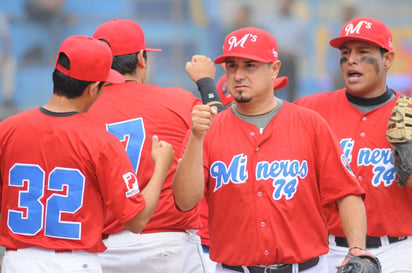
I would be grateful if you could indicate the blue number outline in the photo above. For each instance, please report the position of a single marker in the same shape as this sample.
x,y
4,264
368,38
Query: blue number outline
x,y
133,132
38,216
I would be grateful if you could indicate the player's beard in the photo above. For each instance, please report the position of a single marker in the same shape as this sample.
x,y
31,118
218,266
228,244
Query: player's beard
x,y
239,98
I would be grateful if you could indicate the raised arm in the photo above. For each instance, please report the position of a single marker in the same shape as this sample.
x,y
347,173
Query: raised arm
x,y
202,71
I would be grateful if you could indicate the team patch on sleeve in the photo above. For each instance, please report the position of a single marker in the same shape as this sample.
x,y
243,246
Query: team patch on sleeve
x,y
345,163
132,185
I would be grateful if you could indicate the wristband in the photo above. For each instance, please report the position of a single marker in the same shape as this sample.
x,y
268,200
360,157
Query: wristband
x,y
207,90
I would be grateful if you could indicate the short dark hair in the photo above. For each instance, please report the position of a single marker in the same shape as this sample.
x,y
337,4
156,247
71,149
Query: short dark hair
x,y
383,50
125,64
66,86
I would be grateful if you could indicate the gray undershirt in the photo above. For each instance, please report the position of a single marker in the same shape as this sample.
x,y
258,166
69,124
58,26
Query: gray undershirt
x,y
260,121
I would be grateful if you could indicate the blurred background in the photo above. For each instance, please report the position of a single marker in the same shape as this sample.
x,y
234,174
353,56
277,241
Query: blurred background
x,y
31,32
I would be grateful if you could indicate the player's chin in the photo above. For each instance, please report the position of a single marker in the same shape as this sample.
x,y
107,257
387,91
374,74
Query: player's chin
x,y
356,89
243,99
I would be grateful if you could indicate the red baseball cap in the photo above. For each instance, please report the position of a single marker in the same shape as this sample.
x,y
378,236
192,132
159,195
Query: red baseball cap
x,y
123,36
90,60
250,43
226,97
364,29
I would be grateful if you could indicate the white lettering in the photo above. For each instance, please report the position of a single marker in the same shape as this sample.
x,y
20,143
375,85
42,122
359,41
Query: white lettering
x,y
350,29
233,42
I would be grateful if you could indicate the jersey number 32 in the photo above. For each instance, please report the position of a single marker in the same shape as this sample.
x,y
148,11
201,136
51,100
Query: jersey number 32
x,y
48,214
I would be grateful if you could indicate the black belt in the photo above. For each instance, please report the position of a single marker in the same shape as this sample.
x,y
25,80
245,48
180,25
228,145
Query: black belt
x,y
371,242
284,268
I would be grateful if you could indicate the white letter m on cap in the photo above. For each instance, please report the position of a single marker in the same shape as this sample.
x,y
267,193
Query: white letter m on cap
x,y
350,29
234,43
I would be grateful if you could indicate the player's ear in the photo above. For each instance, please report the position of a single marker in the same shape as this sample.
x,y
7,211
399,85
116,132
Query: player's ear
x,y
91,94
388,58
141,61
93,89
275,67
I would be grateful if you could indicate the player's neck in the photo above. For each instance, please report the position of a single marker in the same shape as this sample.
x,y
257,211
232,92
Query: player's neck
x,y
381,97
255,108
138,76
60,104
130,77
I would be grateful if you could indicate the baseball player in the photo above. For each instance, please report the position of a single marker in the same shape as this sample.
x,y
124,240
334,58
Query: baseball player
x,y
359,114
226,99
134,111
60,172
266,167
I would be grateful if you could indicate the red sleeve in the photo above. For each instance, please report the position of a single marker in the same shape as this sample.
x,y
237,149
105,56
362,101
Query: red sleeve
x,y
329,149
118,182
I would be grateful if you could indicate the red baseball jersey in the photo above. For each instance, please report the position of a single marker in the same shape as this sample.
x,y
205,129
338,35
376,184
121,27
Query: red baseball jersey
x,y
134,112
265,190
363,139
204,228
58,175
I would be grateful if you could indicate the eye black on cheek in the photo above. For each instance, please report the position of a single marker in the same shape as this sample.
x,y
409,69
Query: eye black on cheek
x,y
372,61
343,60
369,60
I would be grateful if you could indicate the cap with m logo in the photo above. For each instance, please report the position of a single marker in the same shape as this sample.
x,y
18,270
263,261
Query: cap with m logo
x,y
250,43
364,29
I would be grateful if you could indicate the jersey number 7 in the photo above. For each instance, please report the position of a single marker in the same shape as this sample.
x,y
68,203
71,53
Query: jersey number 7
x,y
131,133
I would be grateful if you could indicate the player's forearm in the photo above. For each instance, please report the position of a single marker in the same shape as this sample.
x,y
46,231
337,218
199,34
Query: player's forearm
x,y
353,219
151,195
188,183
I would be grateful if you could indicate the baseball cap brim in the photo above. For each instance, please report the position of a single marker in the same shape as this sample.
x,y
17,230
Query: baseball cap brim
x,y
115,77
339,41
280,83
222,59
